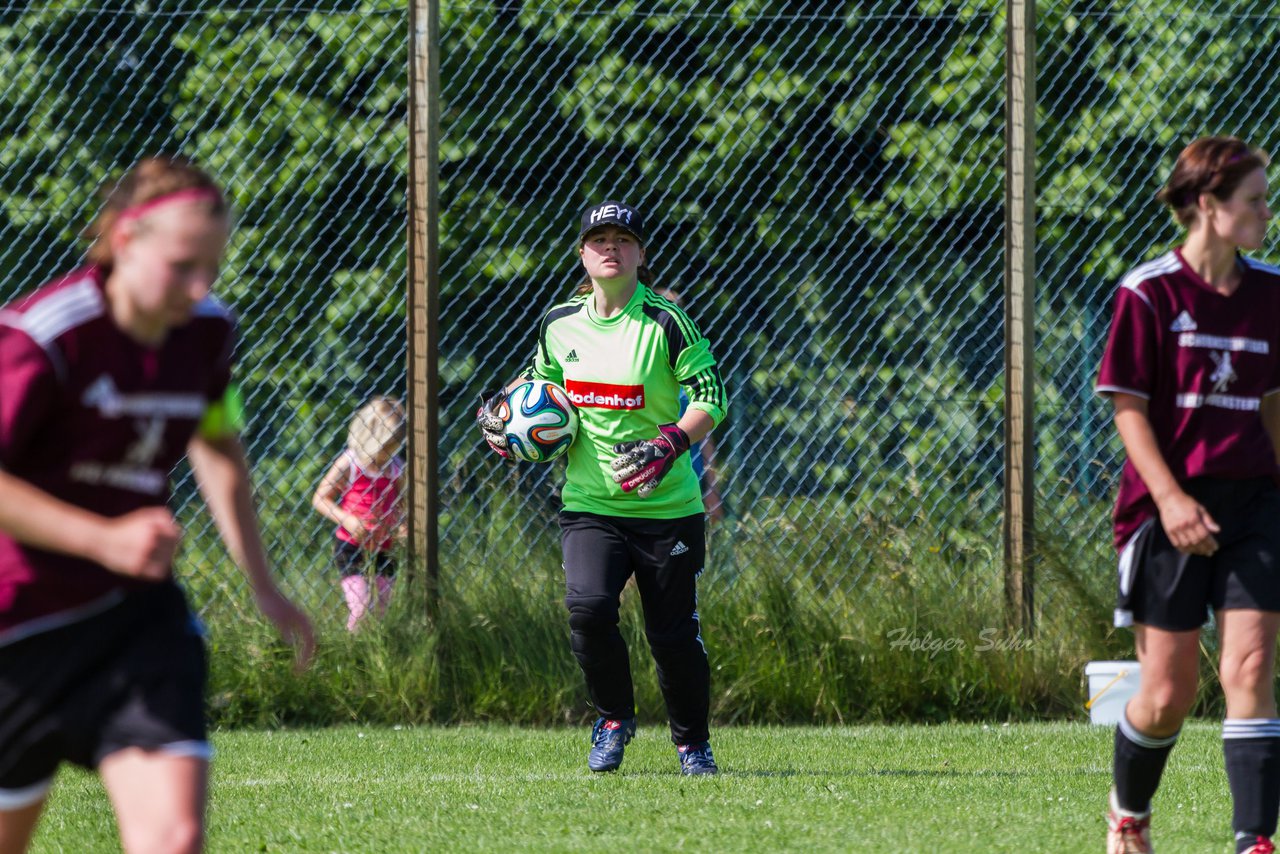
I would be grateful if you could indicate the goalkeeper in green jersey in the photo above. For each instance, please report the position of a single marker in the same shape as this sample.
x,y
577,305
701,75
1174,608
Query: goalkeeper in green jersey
x,y
632,503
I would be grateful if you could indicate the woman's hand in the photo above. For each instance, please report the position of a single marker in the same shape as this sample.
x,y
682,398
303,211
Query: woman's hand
x,y
141,544
292,624
1188,524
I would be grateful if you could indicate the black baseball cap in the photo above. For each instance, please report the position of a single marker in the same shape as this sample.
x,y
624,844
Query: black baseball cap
x,y
621,214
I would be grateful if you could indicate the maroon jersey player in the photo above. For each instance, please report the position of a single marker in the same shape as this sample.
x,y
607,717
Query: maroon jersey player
x,y
1192,366
108,376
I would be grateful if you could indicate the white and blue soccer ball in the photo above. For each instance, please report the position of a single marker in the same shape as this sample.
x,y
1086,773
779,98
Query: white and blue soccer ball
x,y
541,421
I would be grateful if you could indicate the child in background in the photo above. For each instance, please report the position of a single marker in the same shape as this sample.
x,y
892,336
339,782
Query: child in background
x,y
361,493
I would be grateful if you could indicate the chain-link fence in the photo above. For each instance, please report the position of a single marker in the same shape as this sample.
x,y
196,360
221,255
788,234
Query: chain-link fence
x,y
822,186
823,183
300,112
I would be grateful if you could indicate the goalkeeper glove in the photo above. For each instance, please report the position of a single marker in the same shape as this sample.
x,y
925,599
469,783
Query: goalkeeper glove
x,y
491,422
642,465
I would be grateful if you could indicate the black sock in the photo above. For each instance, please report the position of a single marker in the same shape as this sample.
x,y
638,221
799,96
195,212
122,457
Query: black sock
x,y
1139,762
1251,747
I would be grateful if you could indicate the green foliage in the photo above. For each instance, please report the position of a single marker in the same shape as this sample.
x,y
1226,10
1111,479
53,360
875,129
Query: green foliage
x,y
299,113
825,184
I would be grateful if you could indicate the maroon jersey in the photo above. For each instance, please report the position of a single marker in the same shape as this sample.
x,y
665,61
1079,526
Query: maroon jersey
x,y
1203,362
98,420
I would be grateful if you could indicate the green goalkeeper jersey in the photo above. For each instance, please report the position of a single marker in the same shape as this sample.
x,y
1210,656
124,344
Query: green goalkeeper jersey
x,y
624,373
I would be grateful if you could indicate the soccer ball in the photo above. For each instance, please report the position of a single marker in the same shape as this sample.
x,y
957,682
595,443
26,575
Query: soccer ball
x,y
541,421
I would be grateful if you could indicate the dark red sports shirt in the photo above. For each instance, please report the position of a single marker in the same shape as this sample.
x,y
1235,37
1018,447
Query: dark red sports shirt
x,y
96,419
1203,362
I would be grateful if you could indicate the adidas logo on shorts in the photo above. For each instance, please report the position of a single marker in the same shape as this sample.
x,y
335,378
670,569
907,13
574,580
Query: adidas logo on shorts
x,y
679,548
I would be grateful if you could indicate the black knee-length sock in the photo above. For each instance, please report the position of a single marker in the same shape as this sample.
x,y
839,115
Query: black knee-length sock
x,y
1251,747
1139,762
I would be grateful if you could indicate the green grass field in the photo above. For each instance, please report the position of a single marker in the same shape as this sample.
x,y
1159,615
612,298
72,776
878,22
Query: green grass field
x,y
955,788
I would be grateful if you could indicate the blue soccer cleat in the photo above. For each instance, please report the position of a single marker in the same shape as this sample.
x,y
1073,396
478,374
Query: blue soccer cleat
x,y
696,759
608,739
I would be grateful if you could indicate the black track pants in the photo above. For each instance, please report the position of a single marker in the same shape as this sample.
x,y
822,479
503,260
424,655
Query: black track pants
x,y
666,556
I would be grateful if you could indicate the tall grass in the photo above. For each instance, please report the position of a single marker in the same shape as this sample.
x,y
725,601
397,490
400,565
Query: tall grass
x,y
918,635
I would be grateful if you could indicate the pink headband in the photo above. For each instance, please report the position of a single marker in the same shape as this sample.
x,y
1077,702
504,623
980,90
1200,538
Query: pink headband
x,y
192,194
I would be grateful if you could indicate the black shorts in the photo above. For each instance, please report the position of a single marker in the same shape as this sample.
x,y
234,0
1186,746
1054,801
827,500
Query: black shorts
x,y
602,552
1162,587
354,560
130,676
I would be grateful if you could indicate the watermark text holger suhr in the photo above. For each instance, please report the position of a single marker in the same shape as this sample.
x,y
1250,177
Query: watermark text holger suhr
x,y
988,640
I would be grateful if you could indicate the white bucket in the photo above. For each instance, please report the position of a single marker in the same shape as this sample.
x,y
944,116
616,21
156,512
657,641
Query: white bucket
x,y
1111,684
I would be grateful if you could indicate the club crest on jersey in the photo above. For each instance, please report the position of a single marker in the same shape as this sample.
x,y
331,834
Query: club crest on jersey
x,y
605,395
1223,372
103,396
1183,323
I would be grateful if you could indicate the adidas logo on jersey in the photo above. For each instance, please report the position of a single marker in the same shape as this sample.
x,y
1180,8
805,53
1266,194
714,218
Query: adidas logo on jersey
x,y
572,357
1183,323
679,548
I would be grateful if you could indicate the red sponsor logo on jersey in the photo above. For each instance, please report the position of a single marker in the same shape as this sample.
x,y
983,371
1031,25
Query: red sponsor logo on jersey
x,y
605,395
